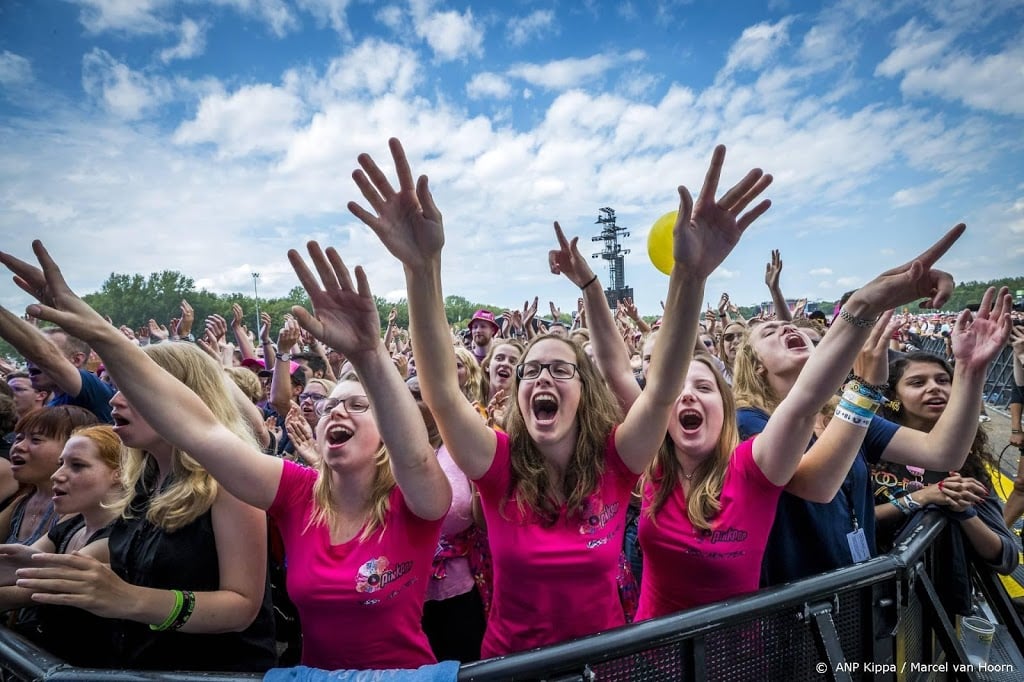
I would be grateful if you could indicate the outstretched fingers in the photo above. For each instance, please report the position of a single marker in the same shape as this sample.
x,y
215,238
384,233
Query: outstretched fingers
x,y
753,214
405,182
302,271
711,178
375,175
339,273
745,191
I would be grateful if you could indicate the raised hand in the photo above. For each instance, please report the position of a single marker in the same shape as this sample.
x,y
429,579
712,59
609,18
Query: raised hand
x,y
707,230
344,316
301,436
237,316
978,338
529,311
773,269
407,222
914,279
723,303
556,314
567,260
872,363
265,327
218,327
157,332
289,335
188,318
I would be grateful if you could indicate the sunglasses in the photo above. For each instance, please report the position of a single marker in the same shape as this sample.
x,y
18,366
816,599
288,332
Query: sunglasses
x,y
730,337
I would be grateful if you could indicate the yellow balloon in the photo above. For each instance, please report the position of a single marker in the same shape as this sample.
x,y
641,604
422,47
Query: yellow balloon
x,y
659,242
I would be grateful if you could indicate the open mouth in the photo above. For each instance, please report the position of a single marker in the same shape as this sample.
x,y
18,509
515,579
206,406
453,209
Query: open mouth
x,y
503,372
794,341
338,435
119,420
59,492
544,407
690,420
17,460
934,402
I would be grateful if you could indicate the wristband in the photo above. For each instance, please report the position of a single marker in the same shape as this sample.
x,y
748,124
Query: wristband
x,y
188,606
851,418
592,280
173,615
912,504
899,504
860,400
859,411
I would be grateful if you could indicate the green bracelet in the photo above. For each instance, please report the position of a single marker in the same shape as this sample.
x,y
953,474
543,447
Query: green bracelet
x,y
179,599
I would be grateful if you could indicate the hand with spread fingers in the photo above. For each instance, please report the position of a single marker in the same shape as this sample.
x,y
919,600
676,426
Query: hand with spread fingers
x,y
978,338
406,221
344,314
707,229
872,363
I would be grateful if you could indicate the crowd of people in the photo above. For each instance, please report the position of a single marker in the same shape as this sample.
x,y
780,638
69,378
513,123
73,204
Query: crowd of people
x,y
358,498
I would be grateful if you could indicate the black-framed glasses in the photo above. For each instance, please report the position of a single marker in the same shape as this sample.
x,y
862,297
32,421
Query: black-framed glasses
x,y
315,397
354,404
559,369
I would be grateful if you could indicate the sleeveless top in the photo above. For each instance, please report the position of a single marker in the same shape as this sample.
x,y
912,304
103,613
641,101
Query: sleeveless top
x,y
186,559
47,523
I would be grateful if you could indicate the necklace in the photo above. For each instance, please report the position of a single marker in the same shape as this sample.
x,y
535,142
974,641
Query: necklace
x,y
688,477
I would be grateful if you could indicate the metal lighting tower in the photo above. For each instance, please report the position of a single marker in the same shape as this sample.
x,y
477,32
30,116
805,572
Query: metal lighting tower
x,y
613,253
256,294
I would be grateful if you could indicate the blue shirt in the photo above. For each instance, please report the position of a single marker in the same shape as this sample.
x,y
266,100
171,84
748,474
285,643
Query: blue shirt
x,y
809,538
95,396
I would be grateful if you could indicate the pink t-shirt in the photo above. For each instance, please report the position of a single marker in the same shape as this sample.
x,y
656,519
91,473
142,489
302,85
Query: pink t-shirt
x,y
684,568
458,578
558,582
360,603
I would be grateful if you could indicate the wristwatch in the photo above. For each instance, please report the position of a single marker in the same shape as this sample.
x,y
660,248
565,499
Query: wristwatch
x,y
283,357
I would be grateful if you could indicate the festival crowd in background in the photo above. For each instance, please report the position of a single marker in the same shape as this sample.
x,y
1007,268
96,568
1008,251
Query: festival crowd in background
x,y
199,497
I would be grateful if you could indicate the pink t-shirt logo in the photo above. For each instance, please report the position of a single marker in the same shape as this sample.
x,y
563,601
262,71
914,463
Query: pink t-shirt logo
x,y
375,575
596,515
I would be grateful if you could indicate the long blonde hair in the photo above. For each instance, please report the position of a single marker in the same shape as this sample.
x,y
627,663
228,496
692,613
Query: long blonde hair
x,y
190,491
485,364
704,499
596,416
474,388
750,384
324,512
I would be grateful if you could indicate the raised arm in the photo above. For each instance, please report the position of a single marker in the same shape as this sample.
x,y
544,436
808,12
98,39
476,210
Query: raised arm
x,y
238,329
823,468
772,272
704,234
242,469
408,223
345,316
977,339
40,351
609,350
780,446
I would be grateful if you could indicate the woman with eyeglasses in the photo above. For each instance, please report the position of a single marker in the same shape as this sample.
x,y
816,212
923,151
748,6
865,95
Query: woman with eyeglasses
x,y
728,344
359,531
555,487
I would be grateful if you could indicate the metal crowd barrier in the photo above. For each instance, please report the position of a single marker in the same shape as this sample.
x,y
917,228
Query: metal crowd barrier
x,y
998,381
880,619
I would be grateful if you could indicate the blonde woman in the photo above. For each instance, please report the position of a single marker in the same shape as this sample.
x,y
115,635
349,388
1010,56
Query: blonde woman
x,y
167,548
554,489
360,530
471,376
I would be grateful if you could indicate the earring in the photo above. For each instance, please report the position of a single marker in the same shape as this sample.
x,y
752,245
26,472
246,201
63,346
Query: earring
x,y
893,405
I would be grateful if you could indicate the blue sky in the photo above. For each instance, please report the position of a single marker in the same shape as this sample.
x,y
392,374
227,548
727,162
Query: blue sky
x,y
211,136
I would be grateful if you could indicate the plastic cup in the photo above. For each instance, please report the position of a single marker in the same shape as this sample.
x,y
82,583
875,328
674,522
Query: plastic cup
x,y
976,634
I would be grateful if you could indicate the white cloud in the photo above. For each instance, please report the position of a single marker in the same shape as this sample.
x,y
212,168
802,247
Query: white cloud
x,y
391,16
373,68
488,85
931,62
276,14
534,25
192,42
567,73
330,13
820,272
128,16
125,93
451,35
14,69
757,45
256,118
851,281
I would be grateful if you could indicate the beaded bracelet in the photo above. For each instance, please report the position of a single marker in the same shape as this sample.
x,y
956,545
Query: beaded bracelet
x,y
173,615
857,385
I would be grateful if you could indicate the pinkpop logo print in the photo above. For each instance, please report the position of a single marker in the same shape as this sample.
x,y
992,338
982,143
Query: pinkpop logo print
x,y
596,515
377,573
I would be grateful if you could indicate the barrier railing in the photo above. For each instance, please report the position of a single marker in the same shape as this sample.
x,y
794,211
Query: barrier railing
x,y
880,619
998,380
